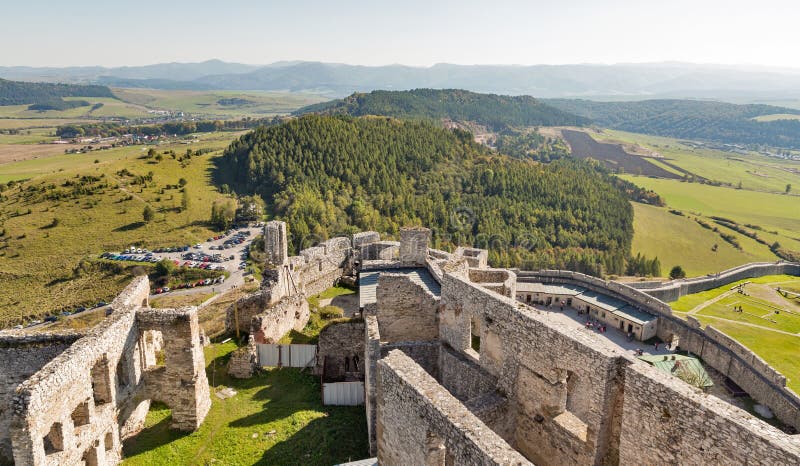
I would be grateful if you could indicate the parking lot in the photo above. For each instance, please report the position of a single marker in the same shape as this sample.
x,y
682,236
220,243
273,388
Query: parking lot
x,y
211,254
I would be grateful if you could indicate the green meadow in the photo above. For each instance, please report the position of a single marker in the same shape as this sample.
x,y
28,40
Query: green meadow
x,y
256,104
768,324
679,240
276,417
44,240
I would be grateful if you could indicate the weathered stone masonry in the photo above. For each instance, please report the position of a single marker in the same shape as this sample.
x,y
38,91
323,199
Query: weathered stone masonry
x,y
95,390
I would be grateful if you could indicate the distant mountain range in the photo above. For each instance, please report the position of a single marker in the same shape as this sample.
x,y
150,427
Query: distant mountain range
x,y
609,82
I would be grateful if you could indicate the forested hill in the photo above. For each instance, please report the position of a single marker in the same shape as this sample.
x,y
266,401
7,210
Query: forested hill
x,y
692,119
20,93
495,111
328,175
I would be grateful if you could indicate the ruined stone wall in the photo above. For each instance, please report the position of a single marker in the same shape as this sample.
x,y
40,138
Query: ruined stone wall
x,y
84,401
420,423
669,422
372,352
20,357
673,290
275,322
563,387
463,376
414,246
243,310
337,341
749,371
406,310
424,353
275,242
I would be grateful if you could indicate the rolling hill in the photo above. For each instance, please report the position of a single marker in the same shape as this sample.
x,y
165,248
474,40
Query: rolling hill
x,y
331,175
494,111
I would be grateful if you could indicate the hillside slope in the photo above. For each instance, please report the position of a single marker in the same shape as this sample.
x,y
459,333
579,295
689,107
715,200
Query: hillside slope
x,y
495,111
19,93
331,175
691,119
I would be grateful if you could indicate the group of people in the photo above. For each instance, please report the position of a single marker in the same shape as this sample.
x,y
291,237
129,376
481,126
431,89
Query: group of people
x,y
593,325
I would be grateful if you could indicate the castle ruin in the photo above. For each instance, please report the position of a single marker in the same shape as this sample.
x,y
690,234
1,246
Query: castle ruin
x,y
72,398
464,364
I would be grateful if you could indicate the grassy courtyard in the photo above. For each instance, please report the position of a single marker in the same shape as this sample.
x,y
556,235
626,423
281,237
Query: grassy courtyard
x,y
276,418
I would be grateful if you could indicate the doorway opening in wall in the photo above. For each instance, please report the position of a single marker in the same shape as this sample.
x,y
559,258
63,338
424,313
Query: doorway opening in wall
x,y
475,334
630,328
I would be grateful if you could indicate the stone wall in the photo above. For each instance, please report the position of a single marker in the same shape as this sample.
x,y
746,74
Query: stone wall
x,y
561,407
93,393
291,313
337,341
406,310
673,290
668,422
753,374
414,246
420,423
21,356
463,376
275,242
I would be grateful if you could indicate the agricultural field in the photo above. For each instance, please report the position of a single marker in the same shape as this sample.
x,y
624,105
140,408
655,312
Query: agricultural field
x,y
760,317
219,104
110,108
77,206
276,417
680,240
754,171
584,146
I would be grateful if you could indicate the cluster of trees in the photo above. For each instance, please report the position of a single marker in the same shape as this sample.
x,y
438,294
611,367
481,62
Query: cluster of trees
x,y
641,265
531,144
58,104
20,93
495,111
692,119
336,175
169,128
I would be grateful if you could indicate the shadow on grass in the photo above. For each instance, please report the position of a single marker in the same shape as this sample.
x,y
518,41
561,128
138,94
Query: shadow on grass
x,y
130,226
154,436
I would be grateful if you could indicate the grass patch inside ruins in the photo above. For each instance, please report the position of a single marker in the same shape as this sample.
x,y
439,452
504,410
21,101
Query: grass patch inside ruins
x,y
176,301
321,316
276,418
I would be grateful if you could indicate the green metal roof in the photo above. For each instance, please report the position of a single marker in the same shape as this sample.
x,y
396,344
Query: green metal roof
x,y
688,369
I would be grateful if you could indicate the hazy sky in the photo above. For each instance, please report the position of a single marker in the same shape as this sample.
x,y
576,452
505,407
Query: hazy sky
x,y
413,32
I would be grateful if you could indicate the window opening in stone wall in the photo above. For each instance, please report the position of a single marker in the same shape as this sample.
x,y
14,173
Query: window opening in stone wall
x,y
108,441
101,382
54,440
572,388
475,334
80,415
90,457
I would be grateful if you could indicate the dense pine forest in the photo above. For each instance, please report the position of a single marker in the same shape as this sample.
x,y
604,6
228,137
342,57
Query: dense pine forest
x,y
691,119
335,175
19,93
494,111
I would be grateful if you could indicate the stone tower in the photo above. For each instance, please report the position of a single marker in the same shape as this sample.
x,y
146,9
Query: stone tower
x,y
414,245
275,243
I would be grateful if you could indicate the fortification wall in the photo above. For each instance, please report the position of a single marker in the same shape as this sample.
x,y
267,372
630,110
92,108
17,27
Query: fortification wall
x,y
749,371
463,376
419,422
20,357
424,353
275,322
96,390
675,289
406,311
372,352
669,422
560,407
